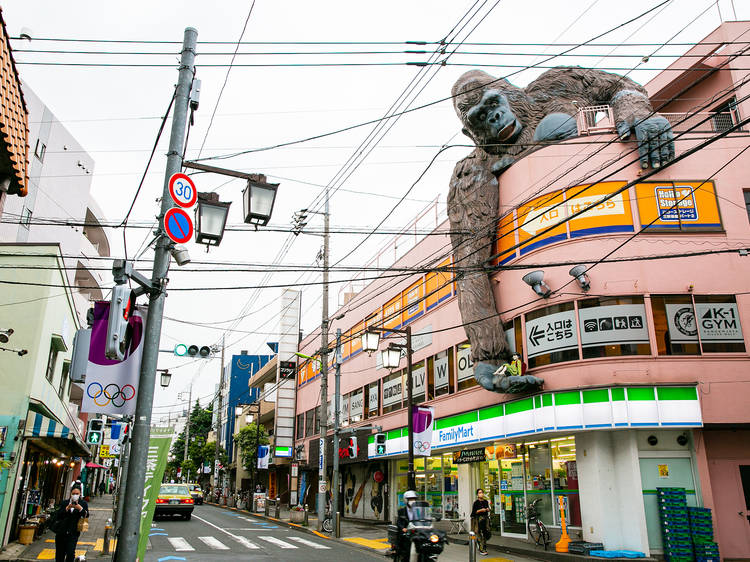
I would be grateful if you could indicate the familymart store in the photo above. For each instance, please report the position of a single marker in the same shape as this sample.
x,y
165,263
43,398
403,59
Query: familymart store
x,y
549,445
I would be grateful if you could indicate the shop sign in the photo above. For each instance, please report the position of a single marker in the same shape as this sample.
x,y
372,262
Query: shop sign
x,y
551,333
501,451
469,455
373,393
418,377
681,323
457,434
392,391
608,325
356,406
465,364
441,371
422,338
718,322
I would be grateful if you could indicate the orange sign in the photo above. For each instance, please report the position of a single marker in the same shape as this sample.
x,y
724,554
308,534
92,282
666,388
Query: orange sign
x,y
678,205
542,216
392,313
438,286
613,215
506,238
412,302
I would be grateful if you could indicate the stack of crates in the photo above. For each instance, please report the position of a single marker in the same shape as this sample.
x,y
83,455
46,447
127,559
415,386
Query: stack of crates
x,y
702,534
675,525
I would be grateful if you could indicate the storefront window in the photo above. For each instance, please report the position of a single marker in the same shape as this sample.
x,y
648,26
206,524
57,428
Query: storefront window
x,y
674,324
613,326
551,335
450,487
465,370
539,477
392,392
719,324
441,373
565,473
511,505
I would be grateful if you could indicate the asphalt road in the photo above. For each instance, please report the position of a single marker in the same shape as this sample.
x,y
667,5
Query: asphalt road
x,y
220,534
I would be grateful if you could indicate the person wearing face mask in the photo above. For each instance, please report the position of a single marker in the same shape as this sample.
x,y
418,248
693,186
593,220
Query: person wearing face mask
x,y
70,512
403,517
480,513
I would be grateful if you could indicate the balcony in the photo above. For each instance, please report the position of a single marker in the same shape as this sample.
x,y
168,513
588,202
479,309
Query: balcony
x,y
95,234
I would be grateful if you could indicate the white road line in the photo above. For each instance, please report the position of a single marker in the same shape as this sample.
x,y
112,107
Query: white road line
x,y
242,540
214,543
277,542
180,544
308,543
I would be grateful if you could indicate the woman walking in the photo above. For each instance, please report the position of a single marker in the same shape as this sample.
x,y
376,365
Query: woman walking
x,y
67,525
480,517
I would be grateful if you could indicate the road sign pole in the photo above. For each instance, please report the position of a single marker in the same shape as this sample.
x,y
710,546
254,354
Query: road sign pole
x,y
336,409
127,545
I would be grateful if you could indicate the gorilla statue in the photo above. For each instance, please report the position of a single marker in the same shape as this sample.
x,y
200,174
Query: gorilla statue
x,y
507,123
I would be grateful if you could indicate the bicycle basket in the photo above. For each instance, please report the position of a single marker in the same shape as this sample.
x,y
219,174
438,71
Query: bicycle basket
x,y
532,512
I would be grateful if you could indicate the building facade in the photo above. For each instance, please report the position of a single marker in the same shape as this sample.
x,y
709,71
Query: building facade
x,y
645,369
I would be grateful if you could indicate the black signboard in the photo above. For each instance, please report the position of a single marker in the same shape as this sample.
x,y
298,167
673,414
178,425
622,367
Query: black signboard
x,y
287,368
342,452
469,455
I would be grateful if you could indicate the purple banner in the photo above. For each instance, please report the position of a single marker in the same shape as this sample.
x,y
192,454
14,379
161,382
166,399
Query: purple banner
x,y
422,417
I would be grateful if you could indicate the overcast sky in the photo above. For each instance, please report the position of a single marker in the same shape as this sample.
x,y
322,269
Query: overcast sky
x,y
114,112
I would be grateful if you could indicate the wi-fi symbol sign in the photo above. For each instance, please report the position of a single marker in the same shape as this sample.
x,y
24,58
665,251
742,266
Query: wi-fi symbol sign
x,y
591,326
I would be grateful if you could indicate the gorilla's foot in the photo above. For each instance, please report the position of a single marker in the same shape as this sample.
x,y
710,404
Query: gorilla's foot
x,y
484,373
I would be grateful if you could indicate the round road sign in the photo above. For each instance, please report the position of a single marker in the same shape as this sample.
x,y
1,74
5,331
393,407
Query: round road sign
x,y
182,189
178,225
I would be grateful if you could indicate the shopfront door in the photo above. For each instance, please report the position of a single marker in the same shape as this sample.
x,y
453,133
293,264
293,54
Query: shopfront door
x,y
664,472
512,505
731,493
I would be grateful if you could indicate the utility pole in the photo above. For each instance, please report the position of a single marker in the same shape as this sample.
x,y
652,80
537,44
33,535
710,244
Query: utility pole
x,y
127,546
324,374
187,424
336,413
218,415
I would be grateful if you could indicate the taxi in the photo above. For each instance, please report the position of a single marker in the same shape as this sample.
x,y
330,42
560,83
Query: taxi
x,y
174,499
196,492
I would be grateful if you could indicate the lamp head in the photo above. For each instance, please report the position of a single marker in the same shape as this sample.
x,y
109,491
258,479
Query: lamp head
x,y
579,273
535,280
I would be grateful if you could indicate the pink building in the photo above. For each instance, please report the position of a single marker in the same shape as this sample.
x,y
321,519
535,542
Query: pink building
x,y
646,369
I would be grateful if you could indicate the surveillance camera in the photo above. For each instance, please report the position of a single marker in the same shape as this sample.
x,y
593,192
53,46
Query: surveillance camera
x,y
180,254
682,440
652,440
23,352
195,95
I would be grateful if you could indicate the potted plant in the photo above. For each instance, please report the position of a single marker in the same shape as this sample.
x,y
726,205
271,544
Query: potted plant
x,y
297,514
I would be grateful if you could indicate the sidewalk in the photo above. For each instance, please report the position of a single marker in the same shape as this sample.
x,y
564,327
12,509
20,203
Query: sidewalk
x,y
90,544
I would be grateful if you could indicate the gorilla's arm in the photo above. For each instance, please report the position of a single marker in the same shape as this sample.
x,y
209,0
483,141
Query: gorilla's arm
x,y
566,89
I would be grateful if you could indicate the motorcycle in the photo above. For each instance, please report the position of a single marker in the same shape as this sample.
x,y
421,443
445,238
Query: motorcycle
x,y
428,542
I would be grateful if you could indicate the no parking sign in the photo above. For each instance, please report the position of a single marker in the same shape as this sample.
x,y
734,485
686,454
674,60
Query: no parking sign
x,y
178,225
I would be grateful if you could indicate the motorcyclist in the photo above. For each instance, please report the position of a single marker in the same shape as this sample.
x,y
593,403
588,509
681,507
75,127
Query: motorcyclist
x,y
403,517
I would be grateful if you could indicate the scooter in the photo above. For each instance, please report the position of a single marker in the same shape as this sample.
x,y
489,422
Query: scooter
x,y
428,542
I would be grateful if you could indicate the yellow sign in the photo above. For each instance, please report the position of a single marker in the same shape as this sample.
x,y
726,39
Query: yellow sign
x,y
506,238
392,313
543,216
104,452
678,205
438,286
613,215
412,302
663,470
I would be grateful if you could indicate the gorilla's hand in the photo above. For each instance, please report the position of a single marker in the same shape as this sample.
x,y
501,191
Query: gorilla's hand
x,y
501,165
654,137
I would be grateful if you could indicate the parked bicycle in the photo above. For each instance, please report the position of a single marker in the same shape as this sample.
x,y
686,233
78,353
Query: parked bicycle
x,y
328,519
537,529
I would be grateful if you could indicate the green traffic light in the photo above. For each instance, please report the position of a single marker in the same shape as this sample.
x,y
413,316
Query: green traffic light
x,y
180,349
381,450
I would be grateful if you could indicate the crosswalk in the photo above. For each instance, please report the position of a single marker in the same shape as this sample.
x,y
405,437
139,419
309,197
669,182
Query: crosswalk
x,y
191,544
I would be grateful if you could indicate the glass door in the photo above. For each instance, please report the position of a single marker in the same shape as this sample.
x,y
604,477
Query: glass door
x,y
512,506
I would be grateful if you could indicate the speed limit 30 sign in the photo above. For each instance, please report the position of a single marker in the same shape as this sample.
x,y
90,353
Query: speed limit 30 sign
x,y
182,189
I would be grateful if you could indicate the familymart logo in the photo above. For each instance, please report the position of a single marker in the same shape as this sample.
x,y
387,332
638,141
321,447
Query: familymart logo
x,y
458,433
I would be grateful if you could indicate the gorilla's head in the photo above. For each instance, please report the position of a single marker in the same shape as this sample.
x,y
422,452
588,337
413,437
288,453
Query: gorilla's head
x,y
493,111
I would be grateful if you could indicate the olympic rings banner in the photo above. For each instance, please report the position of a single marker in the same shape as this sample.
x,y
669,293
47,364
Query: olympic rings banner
x,y
422,417
111,386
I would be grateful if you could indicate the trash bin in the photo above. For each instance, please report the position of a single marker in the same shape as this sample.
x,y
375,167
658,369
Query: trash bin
x,y
26,533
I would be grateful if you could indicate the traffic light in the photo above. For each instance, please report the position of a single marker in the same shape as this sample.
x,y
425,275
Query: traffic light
x,y
118,326
352,449
201,352
94,432
380,443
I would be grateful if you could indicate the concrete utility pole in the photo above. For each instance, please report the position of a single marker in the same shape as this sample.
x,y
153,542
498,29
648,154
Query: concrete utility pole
x,y
336,414
187,424
127,545
324,374
218,415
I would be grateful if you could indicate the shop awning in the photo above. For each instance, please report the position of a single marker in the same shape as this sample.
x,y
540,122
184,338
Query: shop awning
x,y
94,465
40,426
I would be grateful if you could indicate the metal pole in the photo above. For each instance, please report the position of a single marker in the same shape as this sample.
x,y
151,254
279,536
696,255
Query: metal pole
x,y
127,546
187,424
218,418
257,444
411,477
323,374
123,482
336,413
472,546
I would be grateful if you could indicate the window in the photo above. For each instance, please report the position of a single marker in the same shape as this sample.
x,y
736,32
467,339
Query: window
x,y
674,324
40,149
441,373
514,335
26,217
393,392
718,322
465,366
300,425
418,382
51,361
316,420
726,116
552,335
309,424
613,326
372,399
63,380
356,406
746,193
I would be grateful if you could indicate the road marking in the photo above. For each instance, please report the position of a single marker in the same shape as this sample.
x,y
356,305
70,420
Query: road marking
x,y
369,543
180,544
246,543
308,543
214,543
49,554
242,540
277,542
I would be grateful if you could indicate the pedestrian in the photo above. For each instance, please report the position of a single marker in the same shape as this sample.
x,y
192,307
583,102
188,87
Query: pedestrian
x,y
480,520
101,488
66,525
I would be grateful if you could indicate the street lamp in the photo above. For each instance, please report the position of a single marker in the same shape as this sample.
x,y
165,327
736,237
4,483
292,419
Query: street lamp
x,y
391,356
210,219
258,199
165,377
370,341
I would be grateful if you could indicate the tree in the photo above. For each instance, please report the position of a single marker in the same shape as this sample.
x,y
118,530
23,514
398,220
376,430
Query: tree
x,y
198,451
248,442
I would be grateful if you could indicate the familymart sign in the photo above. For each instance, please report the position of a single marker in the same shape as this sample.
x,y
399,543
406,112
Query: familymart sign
x,y
575,410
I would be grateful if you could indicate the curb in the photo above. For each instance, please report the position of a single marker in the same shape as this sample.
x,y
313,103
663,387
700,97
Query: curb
x,y
299,528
